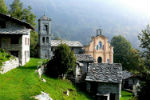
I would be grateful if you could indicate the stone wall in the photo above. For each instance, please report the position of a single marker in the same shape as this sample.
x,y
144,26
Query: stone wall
x,y
9,65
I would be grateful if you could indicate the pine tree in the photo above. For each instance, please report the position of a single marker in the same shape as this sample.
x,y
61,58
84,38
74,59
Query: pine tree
x,y
144,38
3,7
16,9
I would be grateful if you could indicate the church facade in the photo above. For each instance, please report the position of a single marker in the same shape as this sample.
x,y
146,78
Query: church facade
x,y
100,49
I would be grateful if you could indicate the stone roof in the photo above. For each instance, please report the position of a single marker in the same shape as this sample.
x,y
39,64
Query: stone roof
x,y
45,18
126,74
84,58
55,43
7,17
102,72
15,32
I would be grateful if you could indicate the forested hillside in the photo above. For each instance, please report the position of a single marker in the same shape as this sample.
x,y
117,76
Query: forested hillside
x,y
78,19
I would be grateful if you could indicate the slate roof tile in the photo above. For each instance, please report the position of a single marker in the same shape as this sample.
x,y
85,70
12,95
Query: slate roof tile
x,y
16,31
103,72
55,43
84,58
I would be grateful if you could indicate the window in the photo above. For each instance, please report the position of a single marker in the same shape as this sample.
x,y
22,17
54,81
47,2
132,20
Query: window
x,y
45,28
97,47
25,41
14,53
100,44
14,40
43,39
47,39
112,96
2,24
103,47
28,41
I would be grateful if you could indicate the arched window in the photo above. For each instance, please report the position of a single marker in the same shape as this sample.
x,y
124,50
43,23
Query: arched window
x,y
45,28
99,60
47,39
97,47
43,39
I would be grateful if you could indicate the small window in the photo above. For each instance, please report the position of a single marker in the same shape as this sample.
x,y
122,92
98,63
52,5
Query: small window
x,y
14,40
2,24
107,60
14,53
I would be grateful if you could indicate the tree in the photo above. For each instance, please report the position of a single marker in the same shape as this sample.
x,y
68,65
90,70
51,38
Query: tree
x,y
3,7
25,14
63,61
144,38
136,62
144,92
122,49
125,54
16,9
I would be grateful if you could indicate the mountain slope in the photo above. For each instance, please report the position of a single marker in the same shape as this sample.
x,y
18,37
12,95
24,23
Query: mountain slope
x,y
78,20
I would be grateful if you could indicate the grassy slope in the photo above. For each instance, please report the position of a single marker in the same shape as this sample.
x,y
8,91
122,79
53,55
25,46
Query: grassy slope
x,y
126,95
23,82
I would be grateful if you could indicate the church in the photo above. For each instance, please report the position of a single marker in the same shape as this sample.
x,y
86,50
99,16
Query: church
x,y
99,48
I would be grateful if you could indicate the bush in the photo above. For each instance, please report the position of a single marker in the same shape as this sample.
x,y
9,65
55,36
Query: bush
x,y
4,56
63,61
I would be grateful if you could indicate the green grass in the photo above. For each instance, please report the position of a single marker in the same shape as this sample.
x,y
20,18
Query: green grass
x,y
4,56
126,95
22,83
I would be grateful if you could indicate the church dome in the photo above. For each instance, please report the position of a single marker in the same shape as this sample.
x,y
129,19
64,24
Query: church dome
x,y
45,18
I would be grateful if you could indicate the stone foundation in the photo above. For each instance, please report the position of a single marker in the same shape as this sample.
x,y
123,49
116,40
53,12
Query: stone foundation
x,y
9,65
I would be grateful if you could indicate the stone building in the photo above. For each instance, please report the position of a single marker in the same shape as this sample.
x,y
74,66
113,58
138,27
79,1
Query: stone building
x,y
46,45
100,49
75,46
44,31
130,82
15,37
104,81
83,62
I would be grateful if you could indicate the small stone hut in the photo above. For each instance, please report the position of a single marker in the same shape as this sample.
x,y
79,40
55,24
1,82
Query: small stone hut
x,y
104,81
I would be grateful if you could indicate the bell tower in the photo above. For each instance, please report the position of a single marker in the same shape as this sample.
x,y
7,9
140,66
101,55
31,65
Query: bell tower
x,y
44,30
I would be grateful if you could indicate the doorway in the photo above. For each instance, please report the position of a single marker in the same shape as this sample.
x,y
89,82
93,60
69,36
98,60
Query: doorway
x,y
112,96
99,60
102,98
